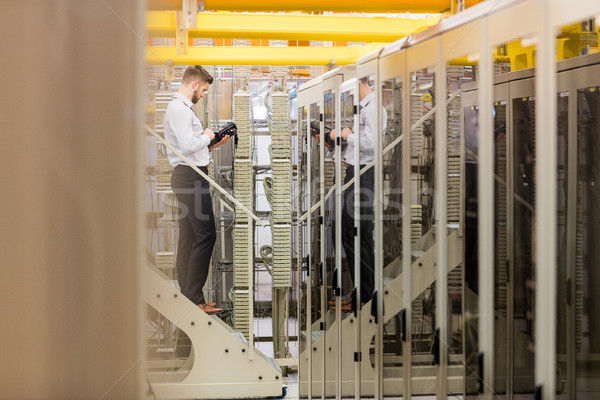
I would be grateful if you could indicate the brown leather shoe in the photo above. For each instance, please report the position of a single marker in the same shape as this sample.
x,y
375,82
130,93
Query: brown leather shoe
x,y
207,308
347,307
344,301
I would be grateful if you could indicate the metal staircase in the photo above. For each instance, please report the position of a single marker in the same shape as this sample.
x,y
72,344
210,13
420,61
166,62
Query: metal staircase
x,y
221,364
423,275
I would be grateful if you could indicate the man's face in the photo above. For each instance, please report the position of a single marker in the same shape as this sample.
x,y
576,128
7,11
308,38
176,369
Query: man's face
x,y
201,87
363,90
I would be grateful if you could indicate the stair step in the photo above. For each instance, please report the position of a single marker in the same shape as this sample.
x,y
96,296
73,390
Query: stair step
x,y
165,350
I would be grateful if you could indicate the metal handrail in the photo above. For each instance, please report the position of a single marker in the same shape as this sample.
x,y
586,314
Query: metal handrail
x,y
210,181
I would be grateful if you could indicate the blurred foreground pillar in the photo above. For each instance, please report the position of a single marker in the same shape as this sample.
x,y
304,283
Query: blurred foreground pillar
x,y
71,199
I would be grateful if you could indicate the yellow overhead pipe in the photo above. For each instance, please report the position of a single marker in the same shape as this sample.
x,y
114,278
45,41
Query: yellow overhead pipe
x,y
380,6
289,26
264,55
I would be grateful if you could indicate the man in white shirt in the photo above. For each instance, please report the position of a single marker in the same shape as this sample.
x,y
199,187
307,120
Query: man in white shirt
x,y
197,232
366,136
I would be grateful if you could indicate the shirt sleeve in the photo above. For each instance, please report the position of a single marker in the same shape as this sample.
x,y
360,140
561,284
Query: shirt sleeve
x,y
188,142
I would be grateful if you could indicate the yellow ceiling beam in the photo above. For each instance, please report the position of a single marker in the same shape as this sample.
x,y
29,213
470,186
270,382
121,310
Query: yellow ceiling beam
x,y
382,6
289,27
264,55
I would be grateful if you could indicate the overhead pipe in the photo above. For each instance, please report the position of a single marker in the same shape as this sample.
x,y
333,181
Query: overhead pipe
x,y
375,6
289,27
297,55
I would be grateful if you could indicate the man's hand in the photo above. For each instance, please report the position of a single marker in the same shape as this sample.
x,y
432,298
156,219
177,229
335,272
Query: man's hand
x,y
224,140
345,133
208,132
332,134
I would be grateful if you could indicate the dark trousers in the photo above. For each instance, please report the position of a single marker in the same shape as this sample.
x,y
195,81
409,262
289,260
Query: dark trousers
x,y
367,254
197,232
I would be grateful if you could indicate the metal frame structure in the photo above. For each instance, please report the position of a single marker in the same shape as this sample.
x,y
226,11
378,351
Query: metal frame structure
x,y
365,330
572,75
307,98
474,33
311,94
246,373
331,81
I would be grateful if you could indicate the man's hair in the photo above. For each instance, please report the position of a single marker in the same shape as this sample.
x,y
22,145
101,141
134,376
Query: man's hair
x,y
364,80
196,72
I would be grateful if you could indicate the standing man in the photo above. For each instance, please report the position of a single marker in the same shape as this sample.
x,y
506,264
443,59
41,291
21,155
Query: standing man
x,y
197,232
366,136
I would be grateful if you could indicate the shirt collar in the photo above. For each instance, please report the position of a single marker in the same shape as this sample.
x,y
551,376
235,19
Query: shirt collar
x,y
185,100
367,99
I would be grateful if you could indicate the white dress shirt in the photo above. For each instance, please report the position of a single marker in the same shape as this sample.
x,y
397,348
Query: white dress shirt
x,y
367,120
183,130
